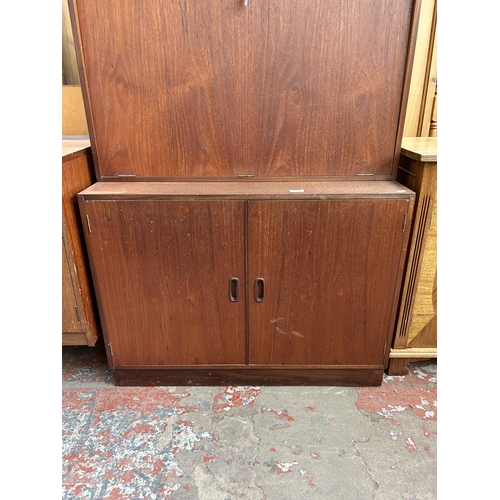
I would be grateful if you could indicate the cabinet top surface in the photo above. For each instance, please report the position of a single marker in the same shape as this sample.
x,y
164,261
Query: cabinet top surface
x,y
70,146
293,189
420,148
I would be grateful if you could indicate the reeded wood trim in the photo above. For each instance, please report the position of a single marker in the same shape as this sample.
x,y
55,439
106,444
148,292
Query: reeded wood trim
x,y
338,376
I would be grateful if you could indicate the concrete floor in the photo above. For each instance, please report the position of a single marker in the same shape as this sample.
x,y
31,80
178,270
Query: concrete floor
x,y
274,443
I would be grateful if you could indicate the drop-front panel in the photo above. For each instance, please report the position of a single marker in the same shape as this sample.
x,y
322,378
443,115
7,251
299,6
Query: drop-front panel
x,y
217,89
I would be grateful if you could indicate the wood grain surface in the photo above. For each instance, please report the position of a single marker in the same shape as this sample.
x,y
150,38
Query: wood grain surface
x,y
78,174
162,271
420,148
230,375
330,270
285,189
216,89
70,320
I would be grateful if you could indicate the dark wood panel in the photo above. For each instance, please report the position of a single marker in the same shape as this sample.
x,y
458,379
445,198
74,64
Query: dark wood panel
x,y
330,271
162,272
215,89
341,376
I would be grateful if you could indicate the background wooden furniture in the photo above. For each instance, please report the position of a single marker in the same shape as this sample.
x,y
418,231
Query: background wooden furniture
x,y
416,328
246,225
80,325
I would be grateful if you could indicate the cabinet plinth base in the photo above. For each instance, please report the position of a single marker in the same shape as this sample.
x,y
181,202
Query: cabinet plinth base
x,y
371,376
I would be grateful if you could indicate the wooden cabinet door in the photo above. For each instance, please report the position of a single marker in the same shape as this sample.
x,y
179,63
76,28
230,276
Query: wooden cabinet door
x,y
329,272
162,272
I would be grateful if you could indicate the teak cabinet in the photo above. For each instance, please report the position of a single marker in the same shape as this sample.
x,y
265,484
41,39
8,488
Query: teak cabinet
x,y
192,277
246,225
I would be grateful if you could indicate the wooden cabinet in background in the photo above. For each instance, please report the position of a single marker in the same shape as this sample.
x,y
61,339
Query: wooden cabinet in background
x,y
416,329
240,282
79,315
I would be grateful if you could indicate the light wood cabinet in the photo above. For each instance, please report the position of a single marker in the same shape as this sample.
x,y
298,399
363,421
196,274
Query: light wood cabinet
x,y
244,283
416,329
80,324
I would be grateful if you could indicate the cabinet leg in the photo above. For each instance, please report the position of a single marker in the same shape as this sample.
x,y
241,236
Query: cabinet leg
x,y
398,366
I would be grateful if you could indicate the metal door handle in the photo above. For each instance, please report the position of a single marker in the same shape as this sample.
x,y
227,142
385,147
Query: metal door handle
x,y
259,289
234,289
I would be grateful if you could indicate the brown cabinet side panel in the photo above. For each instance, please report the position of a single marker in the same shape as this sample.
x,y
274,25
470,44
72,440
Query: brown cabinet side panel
x,y
162,271
78,174
216,89
330,271
70,319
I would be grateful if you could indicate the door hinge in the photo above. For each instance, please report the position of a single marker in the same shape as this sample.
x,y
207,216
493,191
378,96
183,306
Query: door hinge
x,y
404,222
88,223
110,348
385,348
78,314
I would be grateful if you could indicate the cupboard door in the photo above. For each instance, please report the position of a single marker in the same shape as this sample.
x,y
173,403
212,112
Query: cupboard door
x,y
328,280
162,271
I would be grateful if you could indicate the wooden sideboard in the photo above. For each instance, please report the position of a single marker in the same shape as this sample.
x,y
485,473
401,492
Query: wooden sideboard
x,y
241,282
80,325
416,328
247,225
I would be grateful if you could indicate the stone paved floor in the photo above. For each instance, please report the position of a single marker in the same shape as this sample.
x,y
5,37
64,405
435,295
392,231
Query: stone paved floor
x,y
274,443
